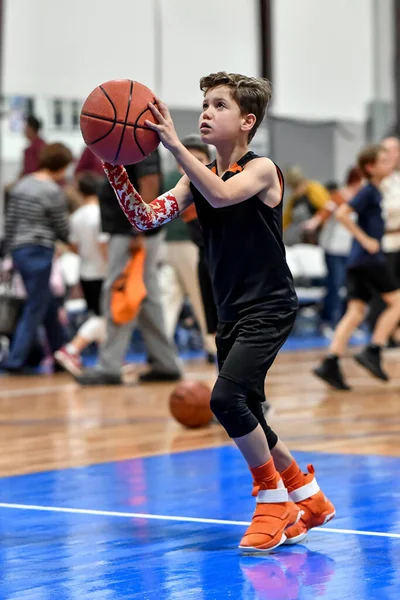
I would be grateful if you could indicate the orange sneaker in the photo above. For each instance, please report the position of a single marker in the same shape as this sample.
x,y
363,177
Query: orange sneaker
x,y
315,506
274,514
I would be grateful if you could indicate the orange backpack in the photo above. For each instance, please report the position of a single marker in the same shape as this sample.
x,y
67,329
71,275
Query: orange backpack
x,y
128,290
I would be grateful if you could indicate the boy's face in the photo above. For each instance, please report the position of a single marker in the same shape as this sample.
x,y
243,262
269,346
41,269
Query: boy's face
x,y
220,119
382,167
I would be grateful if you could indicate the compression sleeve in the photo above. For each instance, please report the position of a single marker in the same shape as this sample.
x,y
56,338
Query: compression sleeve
x,y
141,215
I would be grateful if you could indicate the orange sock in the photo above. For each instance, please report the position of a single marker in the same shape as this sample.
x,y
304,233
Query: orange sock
x,y
266,476
293,477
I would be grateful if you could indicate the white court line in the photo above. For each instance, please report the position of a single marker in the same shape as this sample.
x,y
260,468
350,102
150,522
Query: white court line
x,y
110,513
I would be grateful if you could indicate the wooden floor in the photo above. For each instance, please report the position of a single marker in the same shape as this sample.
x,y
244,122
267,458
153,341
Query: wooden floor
x,y
49,422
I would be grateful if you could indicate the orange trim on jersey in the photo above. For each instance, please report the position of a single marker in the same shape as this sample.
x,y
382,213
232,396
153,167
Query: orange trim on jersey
x,y
233,169
189,214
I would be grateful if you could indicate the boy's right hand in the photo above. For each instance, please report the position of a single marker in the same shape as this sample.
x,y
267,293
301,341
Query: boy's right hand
x,y
371,245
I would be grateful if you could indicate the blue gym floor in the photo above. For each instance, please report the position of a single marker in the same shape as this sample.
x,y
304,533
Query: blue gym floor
x,y
167,527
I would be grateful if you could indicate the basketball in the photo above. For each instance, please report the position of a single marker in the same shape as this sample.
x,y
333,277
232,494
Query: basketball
x,y
112,122
189,404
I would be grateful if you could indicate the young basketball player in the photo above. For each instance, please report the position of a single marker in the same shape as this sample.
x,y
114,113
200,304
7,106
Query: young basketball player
x,y
239,205
367,274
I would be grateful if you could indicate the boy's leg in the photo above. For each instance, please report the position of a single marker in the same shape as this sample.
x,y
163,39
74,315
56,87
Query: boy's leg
x,y
370,357
388,320
245,351
92,330
304,490
302,487
329,369
352,318
274,513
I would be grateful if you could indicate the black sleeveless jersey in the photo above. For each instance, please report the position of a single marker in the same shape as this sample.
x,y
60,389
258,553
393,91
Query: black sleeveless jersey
x,y
245,253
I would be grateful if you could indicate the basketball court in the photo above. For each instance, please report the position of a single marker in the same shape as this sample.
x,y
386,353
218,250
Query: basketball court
x,y
104,495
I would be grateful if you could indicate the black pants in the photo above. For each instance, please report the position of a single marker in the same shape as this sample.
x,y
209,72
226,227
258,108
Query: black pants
x,y
246,349
91,289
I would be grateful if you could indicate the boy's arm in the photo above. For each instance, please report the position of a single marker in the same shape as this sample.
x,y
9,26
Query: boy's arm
x,y
370,244
147,216
255,178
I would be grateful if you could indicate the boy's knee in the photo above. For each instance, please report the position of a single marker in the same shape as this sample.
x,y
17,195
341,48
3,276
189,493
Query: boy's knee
x,y
228,403
226,396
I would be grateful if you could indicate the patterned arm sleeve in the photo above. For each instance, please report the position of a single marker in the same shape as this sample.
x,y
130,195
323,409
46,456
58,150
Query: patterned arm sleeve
x,y
141,215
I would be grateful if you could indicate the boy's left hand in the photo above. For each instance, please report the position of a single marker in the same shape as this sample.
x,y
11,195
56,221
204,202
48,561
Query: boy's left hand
x,y
165,126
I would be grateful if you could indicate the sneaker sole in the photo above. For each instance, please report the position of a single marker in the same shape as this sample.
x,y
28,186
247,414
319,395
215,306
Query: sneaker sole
x,y
299,538
68,364
253,550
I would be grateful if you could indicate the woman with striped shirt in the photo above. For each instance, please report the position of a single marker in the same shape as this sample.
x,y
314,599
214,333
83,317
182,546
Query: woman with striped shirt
x,y
36,217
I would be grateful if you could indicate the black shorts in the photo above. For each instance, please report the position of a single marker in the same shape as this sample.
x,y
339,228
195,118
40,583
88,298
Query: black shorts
x,y
393,262
247,348
91,289
363,283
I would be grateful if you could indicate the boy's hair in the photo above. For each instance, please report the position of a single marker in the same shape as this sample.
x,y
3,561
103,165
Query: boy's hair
x,y
55,157
194,142
88,184
252,94
33,123
368,156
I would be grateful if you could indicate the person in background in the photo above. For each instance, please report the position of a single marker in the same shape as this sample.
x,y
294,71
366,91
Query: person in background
x,y
87,240
31,158
89,163
306,199
36,217
185,255
336,241
123,240
367,274
391,239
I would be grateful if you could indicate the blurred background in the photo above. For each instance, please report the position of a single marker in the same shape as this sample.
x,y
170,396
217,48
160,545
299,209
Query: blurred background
x,y
332,65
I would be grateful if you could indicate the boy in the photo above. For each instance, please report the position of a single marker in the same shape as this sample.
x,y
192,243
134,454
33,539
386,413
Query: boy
x,y
238,202
367,274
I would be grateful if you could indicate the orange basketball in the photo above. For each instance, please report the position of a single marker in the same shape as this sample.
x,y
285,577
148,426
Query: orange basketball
x,y
112,122
189,403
